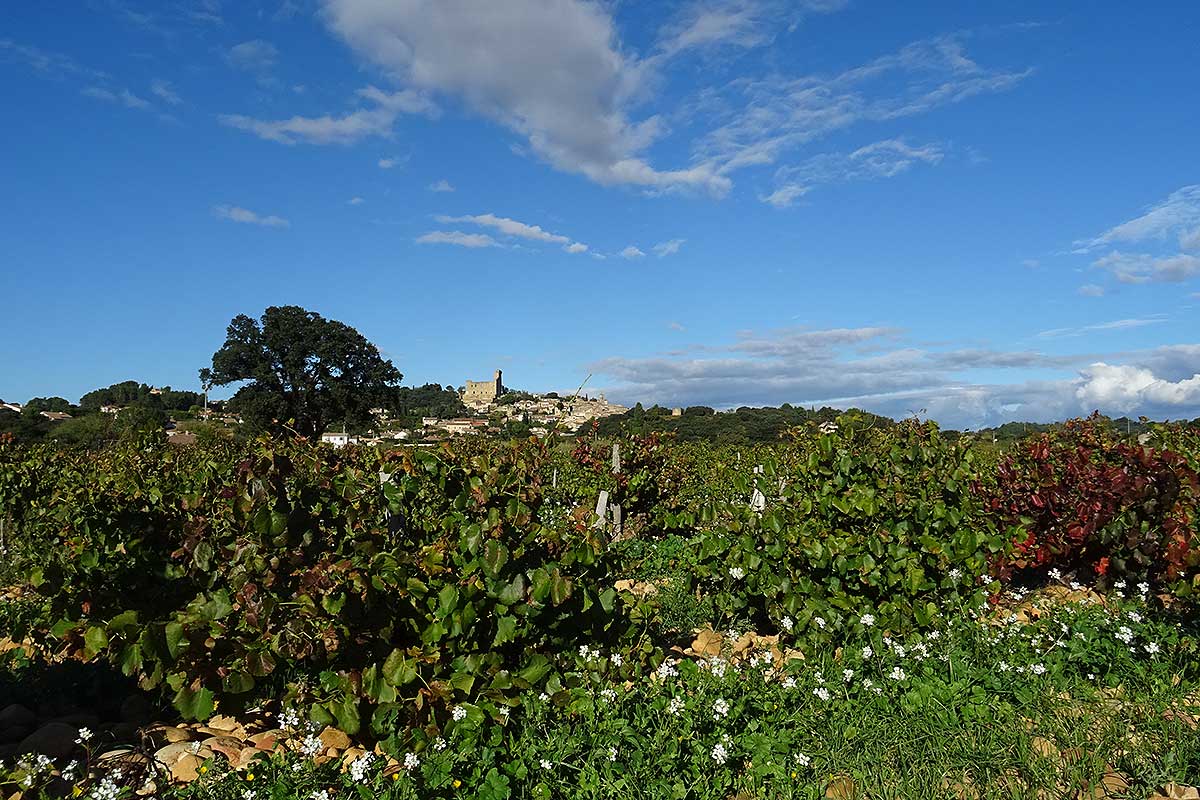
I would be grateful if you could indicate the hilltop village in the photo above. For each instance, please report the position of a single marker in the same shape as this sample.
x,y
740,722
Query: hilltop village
x,y
492,408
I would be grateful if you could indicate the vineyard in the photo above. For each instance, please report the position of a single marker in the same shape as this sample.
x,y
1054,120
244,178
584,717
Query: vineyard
x,y
851,611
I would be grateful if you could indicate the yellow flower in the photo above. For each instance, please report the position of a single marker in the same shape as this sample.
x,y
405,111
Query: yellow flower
x,y
395,776
76,791
457,783
249,776
793,774
203,770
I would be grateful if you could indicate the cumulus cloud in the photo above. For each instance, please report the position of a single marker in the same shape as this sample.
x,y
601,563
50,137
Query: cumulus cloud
x,y
668,248
373,121
883,159
576,247
874,368
553,72
1091,290
459,238
355,201
1127,388
239,214
389,163
441,186
631,252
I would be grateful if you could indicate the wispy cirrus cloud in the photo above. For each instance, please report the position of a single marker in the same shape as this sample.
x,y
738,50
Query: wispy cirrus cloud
x,y
256,55
515,228
1112,325
706,24
122,97
668,248
883,159
631,252
764,118
460,238
376,120
164,91
248,217
1157,246
441,186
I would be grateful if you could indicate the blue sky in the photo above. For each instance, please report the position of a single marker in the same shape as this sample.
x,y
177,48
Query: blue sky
x,y
982,211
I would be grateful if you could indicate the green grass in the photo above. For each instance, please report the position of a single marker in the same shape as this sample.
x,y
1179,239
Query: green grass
x,y
997,708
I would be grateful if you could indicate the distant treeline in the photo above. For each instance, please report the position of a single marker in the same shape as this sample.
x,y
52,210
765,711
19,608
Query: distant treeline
x,y
747,425
743,425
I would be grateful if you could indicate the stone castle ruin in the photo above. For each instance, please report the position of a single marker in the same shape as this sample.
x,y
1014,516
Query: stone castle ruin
x,y
482,393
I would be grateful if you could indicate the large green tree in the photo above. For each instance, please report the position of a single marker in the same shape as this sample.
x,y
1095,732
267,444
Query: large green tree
x,y
305,372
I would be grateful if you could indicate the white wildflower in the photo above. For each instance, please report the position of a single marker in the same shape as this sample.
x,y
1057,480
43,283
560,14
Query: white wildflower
x,y
721,708
897,674
719,753
867,620
458,714
737,573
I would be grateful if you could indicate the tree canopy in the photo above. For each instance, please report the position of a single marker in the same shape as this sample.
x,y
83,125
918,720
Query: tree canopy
x,y
303,371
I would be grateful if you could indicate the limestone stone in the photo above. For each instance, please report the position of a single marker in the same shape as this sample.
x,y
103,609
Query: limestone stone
x,y
186,768
267,740
173,752
168,734
227,746
332,737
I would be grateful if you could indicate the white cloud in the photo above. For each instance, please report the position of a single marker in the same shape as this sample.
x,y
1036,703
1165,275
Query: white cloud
x,y
762,118
238,214
165,92
388,163
883,159
255,55
667,248
1125,389
1113,325
1178,215
737,23
441,186
522,230
49,63
870,367
348,128
631,252
553,72
1091,290
123,97
1144,268
676,326
356,201
459,238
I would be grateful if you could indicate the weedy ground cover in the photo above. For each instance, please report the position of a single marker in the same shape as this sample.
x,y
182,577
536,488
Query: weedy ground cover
x,y
462,612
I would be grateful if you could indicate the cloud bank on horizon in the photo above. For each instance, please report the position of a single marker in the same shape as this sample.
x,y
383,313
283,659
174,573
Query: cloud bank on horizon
x,y
899,209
